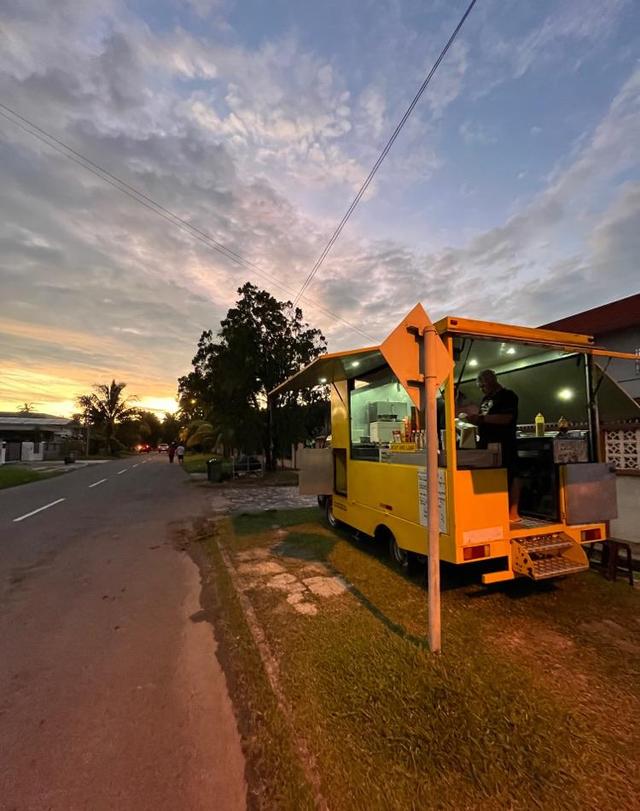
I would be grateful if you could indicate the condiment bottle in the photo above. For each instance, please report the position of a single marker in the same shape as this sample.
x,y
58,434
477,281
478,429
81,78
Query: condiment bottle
x,y
539,424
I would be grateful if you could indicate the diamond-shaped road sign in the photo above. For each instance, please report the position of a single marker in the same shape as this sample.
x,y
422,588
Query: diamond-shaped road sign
x,y
402,349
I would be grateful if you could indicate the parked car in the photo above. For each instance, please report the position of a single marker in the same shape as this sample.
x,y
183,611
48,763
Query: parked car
x,y
163,447
247,466
144,448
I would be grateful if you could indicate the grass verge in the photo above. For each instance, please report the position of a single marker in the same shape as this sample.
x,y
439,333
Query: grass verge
x,y
197,462
514,714
11,475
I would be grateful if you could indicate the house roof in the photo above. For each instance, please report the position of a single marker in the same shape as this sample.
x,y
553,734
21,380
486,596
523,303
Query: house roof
x,y
11,420
616,315
31,415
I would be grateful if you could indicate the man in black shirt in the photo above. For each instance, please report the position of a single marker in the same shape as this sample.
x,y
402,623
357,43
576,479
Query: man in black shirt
x,y
497,421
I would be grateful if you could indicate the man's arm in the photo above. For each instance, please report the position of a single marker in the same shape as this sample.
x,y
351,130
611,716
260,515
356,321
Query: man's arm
x,y
490,419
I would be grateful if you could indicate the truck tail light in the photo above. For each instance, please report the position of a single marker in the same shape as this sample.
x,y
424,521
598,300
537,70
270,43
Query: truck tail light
x,y
476,552
594,534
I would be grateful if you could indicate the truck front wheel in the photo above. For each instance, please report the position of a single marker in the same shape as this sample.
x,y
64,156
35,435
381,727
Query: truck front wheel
x,y
328,511
399,556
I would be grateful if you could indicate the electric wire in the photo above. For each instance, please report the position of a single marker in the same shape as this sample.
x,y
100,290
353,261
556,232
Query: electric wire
x,y
381,157
148,202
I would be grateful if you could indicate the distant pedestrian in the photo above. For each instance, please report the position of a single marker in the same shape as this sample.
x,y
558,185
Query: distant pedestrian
x,y
180,454
172,451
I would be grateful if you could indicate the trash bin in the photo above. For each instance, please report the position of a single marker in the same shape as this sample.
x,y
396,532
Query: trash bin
x,y
70,458
214,470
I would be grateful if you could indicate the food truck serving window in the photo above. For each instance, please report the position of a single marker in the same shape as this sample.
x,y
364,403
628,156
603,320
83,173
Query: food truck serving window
x,y
381,413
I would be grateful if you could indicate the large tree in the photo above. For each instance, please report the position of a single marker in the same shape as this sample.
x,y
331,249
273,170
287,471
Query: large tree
x,y
106,408
261,342
171,425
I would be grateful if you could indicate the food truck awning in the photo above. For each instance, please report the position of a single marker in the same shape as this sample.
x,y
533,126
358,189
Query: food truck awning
x,y
333,367
337,366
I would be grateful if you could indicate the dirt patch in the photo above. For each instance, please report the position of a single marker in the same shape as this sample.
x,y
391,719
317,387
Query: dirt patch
x,y
535,640
612,633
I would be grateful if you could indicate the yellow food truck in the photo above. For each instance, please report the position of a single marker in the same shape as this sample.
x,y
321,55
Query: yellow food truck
x,y
372,476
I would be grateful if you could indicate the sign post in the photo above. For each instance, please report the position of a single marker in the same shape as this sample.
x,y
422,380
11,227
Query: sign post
x,y
401,350
430,337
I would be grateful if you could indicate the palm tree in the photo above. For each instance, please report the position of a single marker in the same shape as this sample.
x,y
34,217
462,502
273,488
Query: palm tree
x,y
105,408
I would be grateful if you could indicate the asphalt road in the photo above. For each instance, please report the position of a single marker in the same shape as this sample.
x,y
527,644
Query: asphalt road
x,y
111,696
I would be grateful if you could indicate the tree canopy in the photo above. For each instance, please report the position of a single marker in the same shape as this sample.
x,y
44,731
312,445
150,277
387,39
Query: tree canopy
x,y
260,343
106,409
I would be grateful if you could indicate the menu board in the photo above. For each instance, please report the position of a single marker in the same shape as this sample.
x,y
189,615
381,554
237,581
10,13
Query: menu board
x,y
442,498
568,451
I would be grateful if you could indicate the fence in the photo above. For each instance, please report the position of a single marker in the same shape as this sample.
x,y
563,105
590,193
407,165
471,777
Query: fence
x,y
622,447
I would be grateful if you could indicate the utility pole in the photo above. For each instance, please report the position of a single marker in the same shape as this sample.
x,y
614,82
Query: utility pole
x,y
88,426
430,337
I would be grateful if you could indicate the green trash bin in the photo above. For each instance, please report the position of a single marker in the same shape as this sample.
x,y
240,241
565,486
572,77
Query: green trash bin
x,y
214,470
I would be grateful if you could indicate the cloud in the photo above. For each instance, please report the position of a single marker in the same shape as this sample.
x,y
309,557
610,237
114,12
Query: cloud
x,y
475,133
519,271
571,20
242,143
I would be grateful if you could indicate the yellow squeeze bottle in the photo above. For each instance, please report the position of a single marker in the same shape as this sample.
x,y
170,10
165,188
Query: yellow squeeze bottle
x,y
539,424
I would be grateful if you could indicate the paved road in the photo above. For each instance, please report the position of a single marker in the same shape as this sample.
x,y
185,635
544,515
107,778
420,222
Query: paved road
x,y
110,695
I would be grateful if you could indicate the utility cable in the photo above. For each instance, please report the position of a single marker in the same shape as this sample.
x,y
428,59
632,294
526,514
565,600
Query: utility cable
x,y
382,156
143,199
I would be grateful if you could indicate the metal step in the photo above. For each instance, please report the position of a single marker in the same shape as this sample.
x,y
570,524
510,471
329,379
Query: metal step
x,y
556,566
543,556
546,544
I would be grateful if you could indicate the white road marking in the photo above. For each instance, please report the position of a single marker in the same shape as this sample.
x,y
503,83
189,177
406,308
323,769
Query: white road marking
x,y
39,510
95,484
124,470
136,464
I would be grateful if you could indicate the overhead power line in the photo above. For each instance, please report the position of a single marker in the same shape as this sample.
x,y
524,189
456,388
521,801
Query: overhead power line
x,y
382,156
152,205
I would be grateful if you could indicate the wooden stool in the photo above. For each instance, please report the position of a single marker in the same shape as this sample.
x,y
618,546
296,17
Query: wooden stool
x,y
610,558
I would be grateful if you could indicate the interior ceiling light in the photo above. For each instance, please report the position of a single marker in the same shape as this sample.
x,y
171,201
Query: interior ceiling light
x,y
355,363
323,380
473,363
565,394
511,350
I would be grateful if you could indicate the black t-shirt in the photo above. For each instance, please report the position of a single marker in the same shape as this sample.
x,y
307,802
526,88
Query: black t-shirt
x,y
503,401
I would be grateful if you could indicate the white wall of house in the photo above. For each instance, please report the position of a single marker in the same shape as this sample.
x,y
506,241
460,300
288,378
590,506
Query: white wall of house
x,y
626,526
30,454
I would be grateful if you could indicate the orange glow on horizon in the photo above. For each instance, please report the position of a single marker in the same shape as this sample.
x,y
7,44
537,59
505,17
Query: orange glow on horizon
x,y
54,391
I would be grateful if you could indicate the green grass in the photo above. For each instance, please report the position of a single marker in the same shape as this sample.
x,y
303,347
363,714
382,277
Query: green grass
x,y
250,523
11,475
197,462
536,684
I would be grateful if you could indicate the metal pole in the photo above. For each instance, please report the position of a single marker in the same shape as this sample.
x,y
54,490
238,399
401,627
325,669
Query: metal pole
x,y
593,416
88,431
270,463
433,510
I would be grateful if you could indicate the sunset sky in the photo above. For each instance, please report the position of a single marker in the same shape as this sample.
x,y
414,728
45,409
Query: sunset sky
x,y
512,194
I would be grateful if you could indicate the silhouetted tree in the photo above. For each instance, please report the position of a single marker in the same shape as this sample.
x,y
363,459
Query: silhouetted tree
x,y
261,342
106,408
